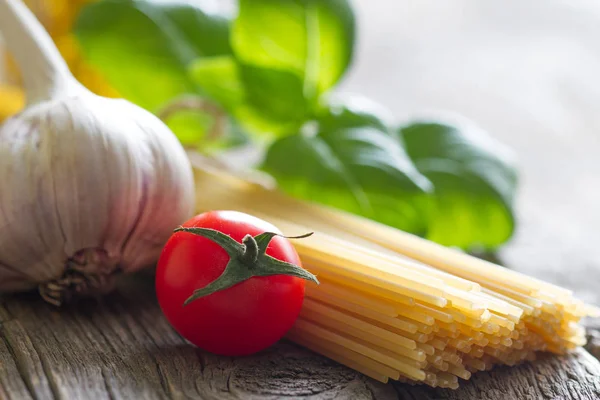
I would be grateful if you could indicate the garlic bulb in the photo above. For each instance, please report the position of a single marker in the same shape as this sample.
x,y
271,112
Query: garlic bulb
x,y
90,187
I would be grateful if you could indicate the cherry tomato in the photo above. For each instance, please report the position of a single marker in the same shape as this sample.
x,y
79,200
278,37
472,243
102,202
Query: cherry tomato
x,y
241,319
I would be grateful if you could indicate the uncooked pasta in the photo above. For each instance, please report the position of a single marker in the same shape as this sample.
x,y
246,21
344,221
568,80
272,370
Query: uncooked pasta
x,y
395,306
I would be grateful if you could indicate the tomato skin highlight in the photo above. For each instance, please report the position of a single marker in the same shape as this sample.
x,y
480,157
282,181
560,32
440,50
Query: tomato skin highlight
x,y
237,321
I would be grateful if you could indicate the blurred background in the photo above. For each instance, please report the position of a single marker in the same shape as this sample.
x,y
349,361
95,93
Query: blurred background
x,y
524,71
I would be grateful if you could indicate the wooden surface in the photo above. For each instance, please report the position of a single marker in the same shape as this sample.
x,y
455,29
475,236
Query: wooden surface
x,y
121,347
525,71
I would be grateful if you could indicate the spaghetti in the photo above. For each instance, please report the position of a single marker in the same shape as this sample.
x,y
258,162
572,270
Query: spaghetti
x,y
395,306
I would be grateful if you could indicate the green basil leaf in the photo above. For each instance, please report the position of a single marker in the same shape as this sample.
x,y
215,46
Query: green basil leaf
x,y
190,127
235,88
144,48
261,83
349,111
291,50
261,127
335,25
474,179
312,38
362,170
203,29
194,130
219,78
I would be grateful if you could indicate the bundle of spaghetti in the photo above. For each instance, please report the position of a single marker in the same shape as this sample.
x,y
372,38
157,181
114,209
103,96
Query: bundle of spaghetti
x,y
395,306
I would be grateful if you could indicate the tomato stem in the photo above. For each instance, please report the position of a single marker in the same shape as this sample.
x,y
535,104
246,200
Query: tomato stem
x,y
246,260
250,255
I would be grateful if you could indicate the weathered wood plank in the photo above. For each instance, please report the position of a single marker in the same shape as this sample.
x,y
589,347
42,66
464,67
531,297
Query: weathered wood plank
x,y
593,337
26,359
121,347
574,376
64,353
11,379
12,383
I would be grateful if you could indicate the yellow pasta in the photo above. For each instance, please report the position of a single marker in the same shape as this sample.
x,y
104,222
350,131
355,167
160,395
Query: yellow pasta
x,y
354,297
344,356
395,306
361,287
434,313
378,281
356,345
334,317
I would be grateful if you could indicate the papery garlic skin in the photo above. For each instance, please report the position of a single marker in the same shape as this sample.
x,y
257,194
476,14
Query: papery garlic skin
x,y
85,177
90,187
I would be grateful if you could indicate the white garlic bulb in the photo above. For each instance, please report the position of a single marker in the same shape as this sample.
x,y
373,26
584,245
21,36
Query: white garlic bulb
x,y
90,187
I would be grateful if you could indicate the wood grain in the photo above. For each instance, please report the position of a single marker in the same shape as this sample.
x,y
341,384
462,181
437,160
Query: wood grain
x,y
121,347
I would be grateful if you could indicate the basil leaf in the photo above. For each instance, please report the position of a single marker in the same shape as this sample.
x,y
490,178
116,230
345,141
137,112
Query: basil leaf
x,y
236,90
262,83
144,48
291,50
312,38
190,126
362,170
219,78
353,111
261,126
203,29
474,179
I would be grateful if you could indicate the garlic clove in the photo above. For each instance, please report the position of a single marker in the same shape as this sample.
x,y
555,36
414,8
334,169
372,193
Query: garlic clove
x,y
28,216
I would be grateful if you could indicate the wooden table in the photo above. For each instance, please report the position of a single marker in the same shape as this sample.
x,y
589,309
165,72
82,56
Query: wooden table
x,y
121,347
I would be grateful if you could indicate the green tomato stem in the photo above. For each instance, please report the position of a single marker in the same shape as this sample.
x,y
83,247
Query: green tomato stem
x,y
246,260
251,251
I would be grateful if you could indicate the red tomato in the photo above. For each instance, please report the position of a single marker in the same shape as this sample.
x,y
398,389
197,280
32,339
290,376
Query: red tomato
x,y
241,319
